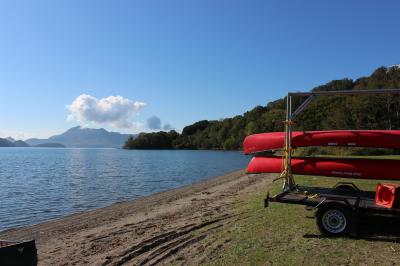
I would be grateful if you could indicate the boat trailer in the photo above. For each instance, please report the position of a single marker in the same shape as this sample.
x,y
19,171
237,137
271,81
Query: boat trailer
x,y
338,209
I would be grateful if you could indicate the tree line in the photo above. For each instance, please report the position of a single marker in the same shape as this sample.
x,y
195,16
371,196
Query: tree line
x,y
327,112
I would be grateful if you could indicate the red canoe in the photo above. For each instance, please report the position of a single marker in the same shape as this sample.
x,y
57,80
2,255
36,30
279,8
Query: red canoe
x,y
352,168
347,138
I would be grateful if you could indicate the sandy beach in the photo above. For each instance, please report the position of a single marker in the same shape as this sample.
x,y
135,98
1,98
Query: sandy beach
x,y
168,227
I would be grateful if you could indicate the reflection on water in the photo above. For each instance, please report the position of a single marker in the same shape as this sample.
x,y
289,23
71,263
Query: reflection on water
x,y
40,184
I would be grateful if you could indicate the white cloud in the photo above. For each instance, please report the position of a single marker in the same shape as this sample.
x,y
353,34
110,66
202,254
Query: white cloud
x,y
115,111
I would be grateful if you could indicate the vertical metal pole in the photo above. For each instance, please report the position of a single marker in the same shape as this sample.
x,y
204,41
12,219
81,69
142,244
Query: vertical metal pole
x,y
287,172
290,130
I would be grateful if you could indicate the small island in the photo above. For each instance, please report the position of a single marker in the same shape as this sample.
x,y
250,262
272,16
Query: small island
x,y
49,145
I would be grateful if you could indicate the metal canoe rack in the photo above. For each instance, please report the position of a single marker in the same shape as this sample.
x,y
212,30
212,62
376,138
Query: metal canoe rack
x,y
289,182
338,209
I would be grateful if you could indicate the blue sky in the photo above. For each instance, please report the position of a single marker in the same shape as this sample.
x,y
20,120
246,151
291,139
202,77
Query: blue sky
x,y
185,60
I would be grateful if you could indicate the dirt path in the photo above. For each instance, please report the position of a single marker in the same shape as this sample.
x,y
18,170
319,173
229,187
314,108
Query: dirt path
x,y
171,226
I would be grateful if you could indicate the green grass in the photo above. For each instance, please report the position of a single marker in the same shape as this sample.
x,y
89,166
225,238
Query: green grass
x,y
284,234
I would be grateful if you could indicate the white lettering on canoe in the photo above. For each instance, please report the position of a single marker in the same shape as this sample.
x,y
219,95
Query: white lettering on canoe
x,y
346,173
336,173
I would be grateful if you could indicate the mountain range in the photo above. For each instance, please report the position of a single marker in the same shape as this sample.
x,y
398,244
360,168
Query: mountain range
x,y
6,143
12,143
78,137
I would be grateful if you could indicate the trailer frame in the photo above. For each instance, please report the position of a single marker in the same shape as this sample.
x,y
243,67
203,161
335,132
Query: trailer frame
x,y
338,209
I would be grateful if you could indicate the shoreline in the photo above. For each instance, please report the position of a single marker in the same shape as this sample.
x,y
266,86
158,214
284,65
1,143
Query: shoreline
x,y
104,236
126,201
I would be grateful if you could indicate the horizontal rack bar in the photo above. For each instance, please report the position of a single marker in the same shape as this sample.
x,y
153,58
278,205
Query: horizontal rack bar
x,y
347,92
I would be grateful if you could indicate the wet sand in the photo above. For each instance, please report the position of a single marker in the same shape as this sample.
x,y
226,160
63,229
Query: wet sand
x,y
173,226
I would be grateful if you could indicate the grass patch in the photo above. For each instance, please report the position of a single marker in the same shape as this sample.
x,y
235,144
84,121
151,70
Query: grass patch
x,y
284,234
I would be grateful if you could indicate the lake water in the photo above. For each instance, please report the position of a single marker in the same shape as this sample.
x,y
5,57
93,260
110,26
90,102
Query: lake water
x,y
39,184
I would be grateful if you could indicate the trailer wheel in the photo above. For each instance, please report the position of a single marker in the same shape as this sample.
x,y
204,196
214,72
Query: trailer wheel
x,y
335,220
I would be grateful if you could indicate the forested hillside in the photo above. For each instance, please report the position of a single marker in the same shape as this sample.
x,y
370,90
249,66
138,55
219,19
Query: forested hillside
x,y
333,112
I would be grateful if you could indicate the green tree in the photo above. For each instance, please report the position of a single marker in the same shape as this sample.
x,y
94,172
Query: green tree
x,y
333,112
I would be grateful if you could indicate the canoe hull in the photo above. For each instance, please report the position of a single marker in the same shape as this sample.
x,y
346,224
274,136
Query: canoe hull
x,y
346,138
333,167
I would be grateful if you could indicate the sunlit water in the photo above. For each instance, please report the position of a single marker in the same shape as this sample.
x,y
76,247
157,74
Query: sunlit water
x,y
39,184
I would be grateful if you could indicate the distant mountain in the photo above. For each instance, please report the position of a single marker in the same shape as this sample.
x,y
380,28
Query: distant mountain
x,y
50,145
20,143
10,139
6,143
79,137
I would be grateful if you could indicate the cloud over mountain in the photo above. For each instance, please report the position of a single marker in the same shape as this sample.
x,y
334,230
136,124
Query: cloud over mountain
x,y
113,110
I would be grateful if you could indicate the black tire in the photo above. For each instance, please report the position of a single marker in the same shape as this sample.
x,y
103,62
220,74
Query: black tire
x,y
335,220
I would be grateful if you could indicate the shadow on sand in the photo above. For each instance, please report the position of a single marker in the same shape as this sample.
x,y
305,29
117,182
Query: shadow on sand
x,y
382,229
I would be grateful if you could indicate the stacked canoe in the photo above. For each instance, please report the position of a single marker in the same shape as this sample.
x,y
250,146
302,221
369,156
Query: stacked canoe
x,y
321,166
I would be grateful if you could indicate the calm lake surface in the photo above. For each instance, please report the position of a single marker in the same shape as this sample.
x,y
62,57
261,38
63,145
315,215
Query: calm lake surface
x,y
39,184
